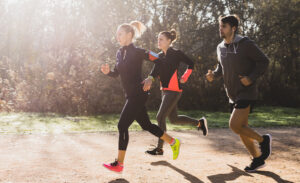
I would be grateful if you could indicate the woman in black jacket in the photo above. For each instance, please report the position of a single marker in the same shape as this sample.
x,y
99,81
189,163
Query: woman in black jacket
x,y
167,71
129,67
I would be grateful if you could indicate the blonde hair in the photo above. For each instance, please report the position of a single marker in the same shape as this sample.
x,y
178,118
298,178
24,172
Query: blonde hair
x,y
136,28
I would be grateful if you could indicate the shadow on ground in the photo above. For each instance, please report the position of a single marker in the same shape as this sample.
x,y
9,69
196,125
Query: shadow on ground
x,y
236,173
187,176
119,181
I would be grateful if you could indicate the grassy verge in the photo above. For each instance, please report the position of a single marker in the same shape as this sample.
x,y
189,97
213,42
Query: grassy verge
x,y
53,123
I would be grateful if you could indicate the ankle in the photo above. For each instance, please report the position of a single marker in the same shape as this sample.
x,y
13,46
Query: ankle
x,y
199,124
260,140
120,163
172,142
255,157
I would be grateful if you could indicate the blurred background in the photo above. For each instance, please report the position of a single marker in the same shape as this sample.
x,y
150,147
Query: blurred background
x,y
51,51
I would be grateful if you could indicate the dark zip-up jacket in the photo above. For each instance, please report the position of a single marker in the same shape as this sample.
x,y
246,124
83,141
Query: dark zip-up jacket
x,y
129,67
167,69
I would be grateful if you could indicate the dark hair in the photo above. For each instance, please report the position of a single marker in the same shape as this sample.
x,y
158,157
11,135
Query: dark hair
x,y
170,35
232,20
133,27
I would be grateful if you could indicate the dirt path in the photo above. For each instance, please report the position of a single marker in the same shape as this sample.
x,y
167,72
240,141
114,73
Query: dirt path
x,y
72,158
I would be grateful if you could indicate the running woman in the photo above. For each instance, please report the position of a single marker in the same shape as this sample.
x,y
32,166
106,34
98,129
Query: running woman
x,y
167,71
129,67
241,62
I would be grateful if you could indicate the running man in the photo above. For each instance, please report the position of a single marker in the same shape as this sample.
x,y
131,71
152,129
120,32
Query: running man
x,y
241,62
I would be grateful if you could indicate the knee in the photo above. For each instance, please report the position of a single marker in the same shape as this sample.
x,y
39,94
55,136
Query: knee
x,y
173,119
235,127
146,126
159,117
121,128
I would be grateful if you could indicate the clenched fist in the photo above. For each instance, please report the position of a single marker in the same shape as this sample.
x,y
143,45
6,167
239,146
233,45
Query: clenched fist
x,y
105,68
210,76
245,80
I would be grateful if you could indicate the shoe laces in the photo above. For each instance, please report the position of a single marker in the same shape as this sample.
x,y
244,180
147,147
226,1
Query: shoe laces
x,y
174,147
254,160
157,149
153,148
115,163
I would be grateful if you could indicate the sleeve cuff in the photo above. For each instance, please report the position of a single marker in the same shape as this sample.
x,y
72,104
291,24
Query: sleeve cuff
x,y
187,74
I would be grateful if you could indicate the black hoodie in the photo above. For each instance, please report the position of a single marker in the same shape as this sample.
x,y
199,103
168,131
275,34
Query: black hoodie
x,y
241,57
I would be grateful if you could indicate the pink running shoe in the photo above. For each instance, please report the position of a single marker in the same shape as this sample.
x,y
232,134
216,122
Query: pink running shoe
x,y
115,166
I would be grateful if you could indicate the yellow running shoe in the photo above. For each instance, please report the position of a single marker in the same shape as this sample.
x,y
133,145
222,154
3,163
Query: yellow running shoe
x,y
175,148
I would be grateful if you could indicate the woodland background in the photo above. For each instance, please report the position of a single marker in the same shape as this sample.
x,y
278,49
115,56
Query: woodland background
x,y
51,51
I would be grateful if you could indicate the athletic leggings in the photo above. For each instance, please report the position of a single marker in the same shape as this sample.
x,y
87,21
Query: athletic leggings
x,y
168,108
135,109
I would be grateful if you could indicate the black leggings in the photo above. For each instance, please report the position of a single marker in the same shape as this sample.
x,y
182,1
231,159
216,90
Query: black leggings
x,y
135,109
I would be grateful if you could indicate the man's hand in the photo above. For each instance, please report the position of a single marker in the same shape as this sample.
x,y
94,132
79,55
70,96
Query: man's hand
x,y
245,80
210,76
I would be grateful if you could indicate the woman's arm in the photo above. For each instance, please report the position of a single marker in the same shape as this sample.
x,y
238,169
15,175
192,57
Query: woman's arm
x,y
189,69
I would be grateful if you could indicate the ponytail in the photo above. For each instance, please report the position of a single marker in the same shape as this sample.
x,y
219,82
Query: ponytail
x,y
135,27
139,27
172,35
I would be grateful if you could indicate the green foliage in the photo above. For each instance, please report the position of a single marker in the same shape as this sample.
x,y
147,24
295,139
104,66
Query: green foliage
x,y
51,51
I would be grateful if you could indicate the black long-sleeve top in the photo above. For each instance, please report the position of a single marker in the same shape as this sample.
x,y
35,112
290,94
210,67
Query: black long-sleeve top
x,y
167,69
129,67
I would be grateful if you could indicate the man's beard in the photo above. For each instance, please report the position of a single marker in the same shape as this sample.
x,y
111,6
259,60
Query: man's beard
x,y
222,35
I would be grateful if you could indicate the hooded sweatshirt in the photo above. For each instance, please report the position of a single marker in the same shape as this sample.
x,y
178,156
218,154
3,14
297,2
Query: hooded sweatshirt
x,y
240,58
